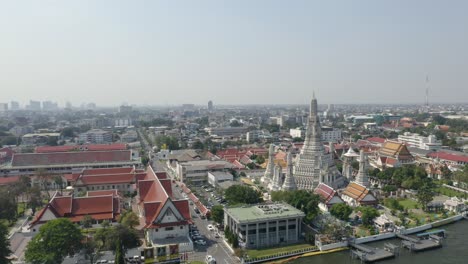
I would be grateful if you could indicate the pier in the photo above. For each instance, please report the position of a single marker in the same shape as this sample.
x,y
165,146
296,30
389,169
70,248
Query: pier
x,y
416,244
367,254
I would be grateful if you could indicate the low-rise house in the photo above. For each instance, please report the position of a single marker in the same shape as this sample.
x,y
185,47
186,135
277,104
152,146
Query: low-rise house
x,y
328,197
455,205
217,177
196,172
100,206
357,195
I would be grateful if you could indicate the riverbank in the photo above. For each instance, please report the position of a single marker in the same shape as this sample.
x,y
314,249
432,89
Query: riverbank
x,y
452,251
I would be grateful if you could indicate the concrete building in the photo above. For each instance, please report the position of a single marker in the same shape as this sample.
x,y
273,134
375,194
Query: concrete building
x,y
38,138
3,107
297,132
14,105
252,136
216,177
225,131
331,134
210,106
264,225
96,136
196,172
415,140
34,105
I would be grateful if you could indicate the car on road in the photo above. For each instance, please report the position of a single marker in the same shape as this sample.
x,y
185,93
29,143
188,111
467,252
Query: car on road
x,y
210,259
200,242
210,227
216,235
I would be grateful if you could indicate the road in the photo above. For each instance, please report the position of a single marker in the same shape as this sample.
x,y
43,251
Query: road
x,y
214,246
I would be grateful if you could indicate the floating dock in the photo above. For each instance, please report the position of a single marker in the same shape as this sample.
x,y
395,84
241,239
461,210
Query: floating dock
x,y
367,254
416,244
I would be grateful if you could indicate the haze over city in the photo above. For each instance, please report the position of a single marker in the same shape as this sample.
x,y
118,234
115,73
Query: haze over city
x,y
237,52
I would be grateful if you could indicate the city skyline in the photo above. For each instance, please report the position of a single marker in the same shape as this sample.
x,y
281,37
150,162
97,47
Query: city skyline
x,y
242,52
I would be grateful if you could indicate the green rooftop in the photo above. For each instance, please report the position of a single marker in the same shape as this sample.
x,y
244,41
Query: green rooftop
x,y
259,212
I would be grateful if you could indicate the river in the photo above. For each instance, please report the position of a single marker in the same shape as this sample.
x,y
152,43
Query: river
x,y
453,251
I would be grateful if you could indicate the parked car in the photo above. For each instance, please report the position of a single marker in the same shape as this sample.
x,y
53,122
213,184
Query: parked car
x,y
210,227
200,242
210,260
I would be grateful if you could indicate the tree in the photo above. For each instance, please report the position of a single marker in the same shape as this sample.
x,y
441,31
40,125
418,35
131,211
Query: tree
x,y
35,198
198,145
341,211
368,214
144,160
217,213
130,219
119,255
4,244
91,250
8,208
301,199
87,221
241,194
55,240
425,195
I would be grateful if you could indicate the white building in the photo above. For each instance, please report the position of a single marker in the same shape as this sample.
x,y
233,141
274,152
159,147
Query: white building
x,y
329,134
197,171
216,177
264,225
96,136
297,132
415,140
225,131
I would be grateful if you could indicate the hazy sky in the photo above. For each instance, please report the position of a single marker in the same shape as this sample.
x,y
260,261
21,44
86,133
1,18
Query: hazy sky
x,y
233,52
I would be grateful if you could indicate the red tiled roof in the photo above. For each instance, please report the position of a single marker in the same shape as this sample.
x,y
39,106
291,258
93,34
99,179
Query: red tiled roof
x,y
376,140
62,205
448,156
97,206
63,158
103,192
88,147
48,149
154,194
9,180
107,179
102,171
325,192
92,205
167,185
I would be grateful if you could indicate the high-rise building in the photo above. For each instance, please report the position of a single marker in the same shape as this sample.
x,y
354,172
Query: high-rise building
x,y
49,106
3,107
313,165
34,105
210,106
14,105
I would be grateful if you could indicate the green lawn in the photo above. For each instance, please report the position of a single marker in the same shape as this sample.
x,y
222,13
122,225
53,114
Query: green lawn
x,y
196,262
449,192
21,208
408,203
256,253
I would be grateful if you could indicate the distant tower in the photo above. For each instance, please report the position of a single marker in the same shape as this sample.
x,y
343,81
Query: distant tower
x,y
210,105
427,91
362,178
348,159
288,184
270,165
276,183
